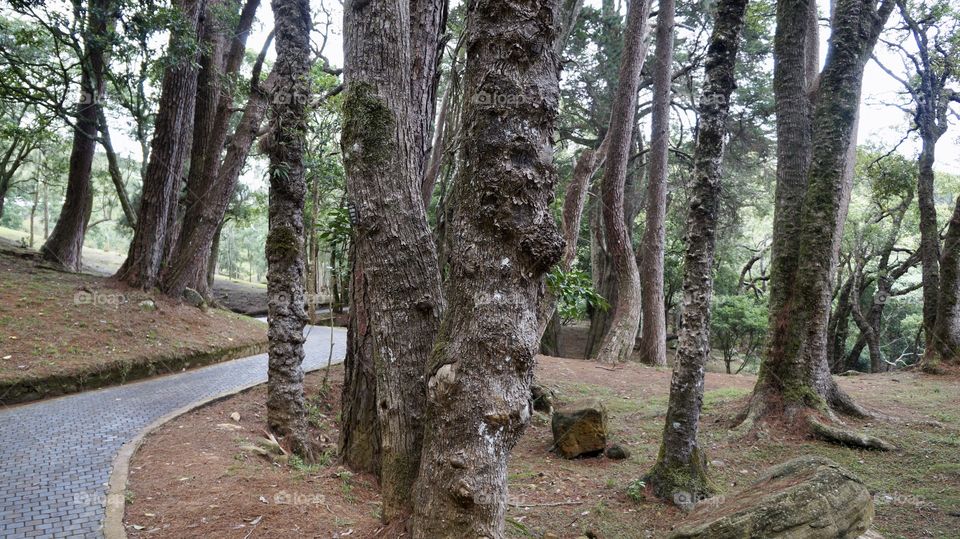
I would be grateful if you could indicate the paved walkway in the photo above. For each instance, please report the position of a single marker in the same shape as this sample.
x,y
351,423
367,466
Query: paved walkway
x,y
56,455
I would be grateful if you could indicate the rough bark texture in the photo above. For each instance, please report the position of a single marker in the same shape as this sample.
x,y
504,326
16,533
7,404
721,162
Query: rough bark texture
x,y
210,181
947,329
794,375
681,465
286,411
63,247
617,343
505,241
653,336
169,150
383,158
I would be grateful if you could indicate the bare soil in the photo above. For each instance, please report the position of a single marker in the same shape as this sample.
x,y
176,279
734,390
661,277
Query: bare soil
x,y
79,326
192,479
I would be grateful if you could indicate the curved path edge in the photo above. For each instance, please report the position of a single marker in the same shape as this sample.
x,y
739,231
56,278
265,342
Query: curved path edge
x,y
116,500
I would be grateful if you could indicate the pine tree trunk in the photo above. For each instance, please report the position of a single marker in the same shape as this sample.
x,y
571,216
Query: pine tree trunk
x,y
505,241
617,343
680,473
653,341
169,150
383,158
286,411
64,246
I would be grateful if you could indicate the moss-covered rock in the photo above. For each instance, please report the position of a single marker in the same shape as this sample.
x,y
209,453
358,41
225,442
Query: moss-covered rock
x,y
809,497
580,429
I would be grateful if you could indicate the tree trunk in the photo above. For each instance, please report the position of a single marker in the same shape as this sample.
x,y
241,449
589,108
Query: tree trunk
x,y
113,165
211,182
286,410
505,241
653,341
947,329
359,427
64,246
169,150
929,239
794,377
383,160
680,473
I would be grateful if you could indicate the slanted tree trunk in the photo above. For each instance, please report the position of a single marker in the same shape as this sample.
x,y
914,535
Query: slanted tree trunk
x,y
169,150
680,473
64,246
617,343
211,181
113,166
505,241
286,410
794,378
383,156
653,340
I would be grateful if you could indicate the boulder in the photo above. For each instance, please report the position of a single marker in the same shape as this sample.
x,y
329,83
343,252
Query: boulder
x,y
580,429
193,298
542,398
809,497
617,452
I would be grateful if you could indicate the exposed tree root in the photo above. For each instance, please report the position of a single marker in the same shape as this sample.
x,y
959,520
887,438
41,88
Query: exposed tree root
x,y
846,437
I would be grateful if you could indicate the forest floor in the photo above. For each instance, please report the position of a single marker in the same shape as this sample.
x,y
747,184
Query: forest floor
x,y
196,476
63,332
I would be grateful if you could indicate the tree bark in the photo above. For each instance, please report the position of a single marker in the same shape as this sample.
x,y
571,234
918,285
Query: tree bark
x,y
113,166
383,158
929,237
210,181
169,150
794,377
617,343
653,340
505,241
947,329
286,410
680,473
64,246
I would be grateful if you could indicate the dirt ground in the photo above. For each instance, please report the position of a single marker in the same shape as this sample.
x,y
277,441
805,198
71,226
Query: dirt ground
x,y
64,324
192,479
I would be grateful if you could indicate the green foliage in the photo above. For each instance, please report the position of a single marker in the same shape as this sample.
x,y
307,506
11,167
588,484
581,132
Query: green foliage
x,y
635,490
575,293
738,327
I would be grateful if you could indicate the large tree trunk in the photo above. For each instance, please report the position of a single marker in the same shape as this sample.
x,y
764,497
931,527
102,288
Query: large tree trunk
x,y
211,182
383,156
505,241
794,377
680,473
286,410
947,329
653,340
617,343
64,246
929,238
169,150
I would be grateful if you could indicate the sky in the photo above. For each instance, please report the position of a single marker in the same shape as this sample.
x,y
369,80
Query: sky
x,y
880,124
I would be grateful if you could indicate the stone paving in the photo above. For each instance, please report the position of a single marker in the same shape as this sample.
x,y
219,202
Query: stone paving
x,y
56,455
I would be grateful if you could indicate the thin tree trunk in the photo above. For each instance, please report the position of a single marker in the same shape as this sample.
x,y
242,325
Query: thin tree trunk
x,y
286,410
63,248
113,166
680,473
617,343
169,150
383,145
653,340
505,241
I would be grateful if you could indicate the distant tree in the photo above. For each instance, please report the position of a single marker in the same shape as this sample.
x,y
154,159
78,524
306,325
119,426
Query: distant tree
x,y
738,327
